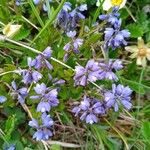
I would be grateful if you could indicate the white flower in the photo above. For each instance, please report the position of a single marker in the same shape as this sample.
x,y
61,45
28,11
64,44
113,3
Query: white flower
x,y
10,29
111,3
140,51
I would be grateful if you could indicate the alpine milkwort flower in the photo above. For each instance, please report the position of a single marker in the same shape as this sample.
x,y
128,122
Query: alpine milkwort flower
x,y
106,69
41,60
47,96
67,19
74,45
44,130
89,73
30,75
112,17
2,99
9,147
114,37
89,109
19,94
119,95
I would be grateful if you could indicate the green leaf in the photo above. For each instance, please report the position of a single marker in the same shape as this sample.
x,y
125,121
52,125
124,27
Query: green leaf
x,y
55,147
135,86
146,131
10,126
23,33
135,30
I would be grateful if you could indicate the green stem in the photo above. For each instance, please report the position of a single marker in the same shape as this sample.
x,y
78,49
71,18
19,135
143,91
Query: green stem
x,y
50,20
36,13
8,72
139,95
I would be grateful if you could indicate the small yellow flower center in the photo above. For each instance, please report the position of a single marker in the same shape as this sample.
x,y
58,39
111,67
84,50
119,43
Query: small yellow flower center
x,y
142,52
116,2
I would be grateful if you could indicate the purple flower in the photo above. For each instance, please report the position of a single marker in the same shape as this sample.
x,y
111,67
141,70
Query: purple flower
x,y
77,44
9,147
67,19
74,45
114,36
83,7
106,70
48,97
71,34
58,82
44,130
89,73
36,2
89,109
67,6
2,99
119,95
111,17
40,88
41,60
30,75
43,107
46,120
34,123
117,65
19,94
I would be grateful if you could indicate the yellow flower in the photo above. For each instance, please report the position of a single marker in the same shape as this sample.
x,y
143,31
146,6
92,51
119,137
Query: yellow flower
x,y
140,51
10,29
111,3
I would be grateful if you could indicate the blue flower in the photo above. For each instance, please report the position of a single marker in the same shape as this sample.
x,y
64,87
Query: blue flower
x,y
31,75
47,96
114,36
89,109
43,107
72,46
89,73
68,19
46,120
44,130
106,70
36,2
112,17
9,147
83,7
19,94
119,95
2,99
41,60
67,6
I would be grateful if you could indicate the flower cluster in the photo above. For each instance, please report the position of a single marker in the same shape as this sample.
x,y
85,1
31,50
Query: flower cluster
x,y
68,19
89,109
44,130
118,95
94,71
47,96
41,60
114,36
2,99
74,45
19,94
9,147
